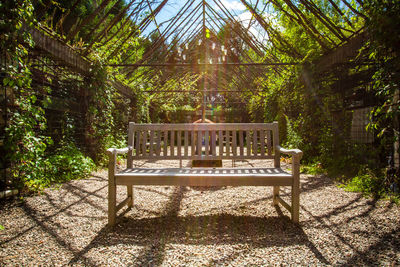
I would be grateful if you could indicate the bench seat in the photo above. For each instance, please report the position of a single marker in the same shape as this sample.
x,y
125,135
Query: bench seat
x,y
204,176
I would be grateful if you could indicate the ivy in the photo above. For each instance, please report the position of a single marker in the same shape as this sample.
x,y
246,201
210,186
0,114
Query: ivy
x,y
384,28
100,119
32,166
26,146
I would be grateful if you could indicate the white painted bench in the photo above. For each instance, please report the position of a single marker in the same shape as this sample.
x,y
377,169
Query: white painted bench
x,y
204,141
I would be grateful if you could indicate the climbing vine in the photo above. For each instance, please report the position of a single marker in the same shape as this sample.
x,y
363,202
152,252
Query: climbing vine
x,y
31,165
26,146
99,118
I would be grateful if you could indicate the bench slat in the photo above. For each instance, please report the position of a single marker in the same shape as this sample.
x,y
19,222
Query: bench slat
x,y
179,142
137,143
269,143
255,143
144,143
199,143
220,143
185,143
192,142
158,152
277,162
234,147
206,143
131,140
228,143
165,143
213,143
262,142
151,143
248,143
241,143
172,143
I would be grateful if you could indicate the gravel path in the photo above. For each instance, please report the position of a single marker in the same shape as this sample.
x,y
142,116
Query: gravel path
x,y
196,226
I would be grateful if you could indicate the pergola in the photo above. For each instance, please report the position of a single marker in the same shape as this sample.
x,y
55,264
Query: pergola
x,y
205,38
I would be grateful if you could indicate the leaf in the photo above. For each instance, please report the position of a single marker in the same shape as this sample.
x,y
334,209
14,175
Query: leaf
x,y
5,81
1,227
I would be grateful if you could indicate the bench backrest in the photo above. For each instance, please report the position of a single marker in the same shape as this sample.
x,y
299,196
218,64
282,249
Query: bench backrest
x,y
204,141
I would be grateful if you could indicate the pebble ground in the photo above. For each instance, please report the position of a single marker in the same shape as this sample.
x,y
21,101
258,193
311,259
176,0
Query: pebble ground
x,y
199,226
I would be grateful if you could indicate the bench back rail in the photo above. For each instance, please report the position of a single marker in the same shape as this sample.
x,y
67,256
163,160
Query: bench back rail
x,y
204,141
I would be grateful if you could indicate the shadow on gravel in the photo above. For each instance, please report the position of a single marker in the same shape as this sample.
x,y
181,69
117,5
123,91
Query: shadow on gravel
x,y
313,183
153,234
223,229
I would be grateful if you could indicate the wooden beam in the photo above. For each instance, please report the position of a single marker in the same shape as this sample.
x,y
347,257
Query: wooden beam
x,y
161,39
64,53
269,29
342,53
87,20
60,51
142,25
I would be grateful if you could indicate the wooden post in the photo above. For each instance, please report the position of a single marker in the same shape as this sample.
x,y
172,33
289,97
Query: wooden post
x,y
129,163
112,190
275,133
296,189
275,195
277,158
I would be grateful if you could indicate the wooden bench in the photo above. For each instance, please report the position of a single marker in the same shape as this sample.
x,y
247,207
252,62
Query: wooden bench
x,y
204,141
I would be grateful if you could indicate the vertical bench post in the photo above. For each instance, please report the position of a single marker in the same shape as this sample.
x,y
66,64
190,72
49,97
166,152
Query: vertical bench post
x,y
296,188
129,163
112,190
277,158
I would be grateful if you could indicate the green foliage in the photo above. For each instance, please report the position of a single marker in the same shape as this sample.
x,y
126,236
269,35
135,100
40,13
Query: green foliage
x,y
313,168
67,163
303,103
32,166
1,227
384,28
99,118
166,105
26,145
367,182
293,139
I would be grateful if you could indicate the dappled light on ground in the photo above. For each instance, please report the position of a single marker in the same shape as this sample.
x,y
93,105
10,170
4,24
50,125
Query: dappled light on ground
x,y
199,226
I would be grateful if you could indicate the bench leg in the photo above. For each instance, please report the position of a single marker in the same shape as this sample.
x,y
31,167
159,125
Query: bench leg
x,y
130,194
112,192
295,204
112,203
296,190
275,195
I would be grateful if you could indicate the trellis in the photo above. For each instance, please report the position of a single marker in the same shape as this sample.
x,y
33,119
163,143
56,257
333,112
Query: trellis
x,y
186,27
194,18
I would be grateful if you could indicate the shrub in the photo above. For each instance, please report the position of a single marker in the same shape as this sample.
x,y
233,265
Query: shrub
x,y
369,182
67,163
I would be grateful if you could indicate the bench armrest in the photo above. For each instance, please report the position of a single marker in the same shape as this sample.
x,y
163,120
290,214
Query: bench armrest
x,y
116,151
293,152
